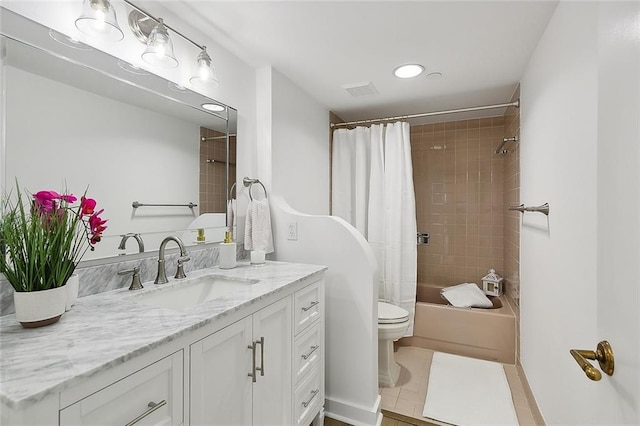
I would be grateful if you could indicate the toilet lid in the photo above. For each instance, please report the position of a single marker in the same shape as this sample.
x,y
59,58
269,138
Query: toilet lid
x,y
391,314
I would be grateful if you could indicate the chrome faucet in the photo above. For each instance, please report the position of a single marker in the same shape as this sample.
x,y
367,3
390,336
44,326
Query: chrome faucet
x,y
161,277
138,238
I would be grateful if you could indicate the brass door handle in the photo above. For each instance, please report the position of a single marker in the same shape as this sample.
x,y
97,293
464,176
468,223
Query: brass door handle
x,y
604,355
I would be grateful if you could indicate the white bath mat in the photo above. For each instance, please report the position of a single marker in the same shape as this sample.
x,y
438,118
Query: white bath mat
x,y
468,391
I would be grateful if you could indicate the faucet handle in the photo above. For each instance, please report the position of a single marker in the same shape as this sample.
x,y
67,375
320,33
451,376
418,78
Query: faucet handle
x,y
180,271
135,279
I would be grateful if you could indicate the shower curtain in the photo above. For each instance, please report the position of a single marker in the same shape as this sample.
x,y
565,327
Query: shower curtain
x,y
372,188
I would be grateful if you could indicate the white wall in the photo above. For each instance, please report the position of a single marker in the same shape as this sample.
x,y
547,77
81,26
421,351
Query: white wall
x,y
580,100
293,161
300,147
351,313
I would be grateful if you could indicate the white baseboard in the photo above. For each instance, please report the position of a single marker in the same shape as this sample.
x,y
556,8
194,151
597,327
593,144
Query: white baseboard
x,y
353,414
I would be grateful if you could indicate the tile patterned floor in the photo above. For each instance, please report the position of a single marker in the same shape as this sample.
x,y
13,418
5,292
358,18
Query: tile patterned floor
x,y
407,398
403,404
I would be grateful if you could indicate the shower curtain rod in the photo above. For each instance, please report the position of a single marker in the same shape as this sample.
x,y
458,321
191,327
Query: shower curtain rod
x,y
427,114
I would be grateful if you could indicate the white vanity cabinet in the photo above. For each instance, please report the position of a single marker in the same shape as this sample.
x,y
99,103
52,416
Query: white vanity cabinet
x,y
151,396
266,369
241,374
308,355
256,359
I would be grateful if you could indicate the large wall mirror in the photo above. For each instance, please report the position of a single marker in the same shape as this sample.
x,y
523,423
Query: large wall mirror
x,y
79,119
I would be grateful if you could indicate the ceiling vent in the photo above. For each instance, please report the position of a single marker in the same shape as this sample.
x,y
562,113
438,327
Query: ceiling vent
x,y
361,89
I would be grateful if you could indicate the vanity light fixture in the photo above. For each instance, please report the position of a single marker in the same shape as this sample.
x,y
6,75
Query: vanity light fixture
x,y
98,19
408,70
159,51
213,107
205,72
154,33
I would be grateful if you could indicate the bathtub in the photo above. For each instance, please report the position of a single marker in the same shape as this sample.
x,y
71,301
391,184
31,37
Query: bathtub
x,y
479,333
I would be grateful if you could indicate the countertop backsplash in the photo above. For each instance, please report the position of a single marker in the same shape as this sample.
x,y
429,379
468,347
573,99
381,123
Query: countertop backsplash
x,y
100,278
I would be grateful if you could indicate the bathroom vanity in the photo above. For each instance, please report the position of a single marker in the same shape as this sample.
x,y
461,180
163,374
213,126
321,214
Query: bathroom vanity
x,y
250,352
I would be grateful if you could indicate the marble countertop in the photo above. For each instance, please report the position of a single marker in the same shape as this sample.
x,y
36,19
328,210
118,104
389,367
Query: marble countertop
x,y
107,329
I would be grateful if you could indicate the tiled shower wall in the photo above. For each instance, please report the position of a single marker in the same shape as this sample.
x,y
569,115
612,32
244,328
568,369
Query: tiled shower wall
x,y
459,186
213,189
512,218
512,198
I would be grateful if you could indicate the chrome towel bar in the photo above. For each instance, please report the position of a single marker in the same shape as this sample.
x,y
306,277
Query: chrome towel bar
x,y
137,204
541,209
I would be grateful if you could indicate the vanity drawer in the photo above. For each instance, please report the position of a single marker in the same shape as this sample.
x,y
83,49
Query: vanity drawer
x,y
307,352
309,397
307,304
151,396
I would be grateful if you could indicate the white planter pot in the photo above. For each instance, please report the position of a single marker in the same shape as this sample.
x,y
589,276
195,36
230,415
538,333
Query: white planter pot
x,y
40,308
72,291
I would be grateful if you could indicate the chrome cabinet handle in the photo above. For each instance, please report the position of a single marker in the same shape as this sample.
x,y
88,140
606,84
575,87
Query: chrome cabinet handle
x,y
310,306
313,349
306,403
152,407
261,343
252,346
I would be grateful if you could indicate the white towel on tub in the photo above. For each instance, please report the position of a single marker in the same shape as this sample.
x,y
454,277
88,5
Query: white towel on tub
x,y
257,230
466,295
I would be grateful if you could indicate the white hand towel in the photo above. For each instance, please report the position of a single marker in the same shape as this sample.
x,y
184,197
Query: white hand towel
x,y
257,230
466,295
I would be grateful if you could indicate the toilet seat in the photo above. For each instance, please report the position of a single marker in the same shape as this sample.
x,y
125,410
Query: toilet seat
x,y
391,314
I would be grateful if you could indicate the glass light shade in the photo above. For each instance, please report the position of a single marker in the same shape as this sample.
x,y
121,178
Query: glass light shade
x,y
98,19
159,51
205,72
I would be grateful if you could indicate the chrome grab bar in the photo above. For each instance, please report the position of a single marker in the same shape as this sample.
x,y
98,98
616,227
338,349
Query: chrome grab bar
x,y
541,209
306,403
313,349
152,407
310,306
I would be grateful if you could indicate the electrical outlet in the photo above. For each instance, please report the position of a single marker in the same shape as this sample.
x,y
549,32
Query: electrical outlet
x,y
292,231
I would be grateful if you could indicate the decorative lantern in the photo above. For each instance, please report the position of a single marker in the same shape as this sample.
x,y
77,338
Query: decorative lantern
x,y
492,283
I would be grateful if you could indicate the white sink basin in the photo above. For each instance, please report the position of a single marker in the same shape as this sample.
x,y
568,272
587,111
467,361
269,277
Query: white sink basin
x,y
192,292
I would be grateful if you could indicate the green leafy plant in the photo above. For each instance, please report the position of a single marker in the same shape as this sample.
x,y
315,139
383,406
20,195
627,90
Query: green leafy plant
x,y
43,238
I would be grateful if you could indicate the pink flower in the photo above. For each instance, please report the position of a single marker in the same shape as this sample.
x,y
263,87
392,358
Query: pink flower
x,y
69,198
97,226
87,205
45,200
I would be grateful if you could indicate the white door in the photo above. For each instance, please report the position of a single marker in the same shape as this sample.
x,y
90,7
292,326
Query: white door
x,y
618,311
272,389
220,385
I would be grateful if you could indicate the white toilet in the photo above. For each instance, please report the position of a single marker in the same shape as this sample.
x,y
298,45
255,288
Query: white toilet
x,y
393,322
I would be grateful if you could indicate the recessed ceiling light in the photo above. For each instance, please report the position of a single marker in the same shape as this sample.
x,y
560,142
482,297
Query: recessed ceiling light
x,y
408,71
213,107
434,75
